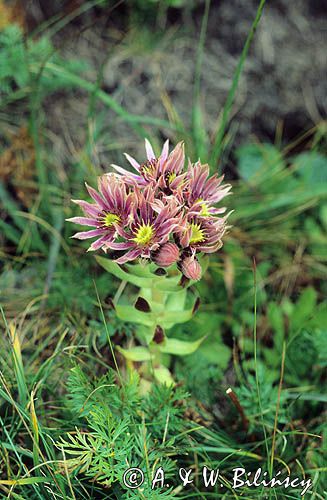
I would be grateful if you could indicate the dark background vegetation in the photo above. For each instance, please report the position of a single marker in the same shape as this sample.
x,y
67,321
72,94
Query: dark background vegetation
x,y
282,90
83,82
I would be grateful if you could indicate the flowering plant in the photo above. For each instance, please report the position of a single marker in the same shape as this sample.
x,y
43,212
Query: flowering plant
x,y
163,216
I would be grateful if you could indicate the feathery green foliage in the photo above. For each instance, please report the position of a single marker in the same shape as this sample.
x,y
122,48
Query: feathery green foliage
x,y
123,429
22,61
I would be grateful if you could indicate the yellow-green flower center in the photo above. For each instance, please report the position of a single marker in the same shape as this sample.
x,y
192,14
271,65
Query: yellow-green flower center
x,y
204,208
148,167
109,219
172,176
144,234
197,234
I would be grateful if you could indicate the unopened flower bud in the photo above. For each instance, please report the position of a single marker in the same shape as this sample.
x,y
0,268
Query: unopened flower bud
x,y
166,255
191,268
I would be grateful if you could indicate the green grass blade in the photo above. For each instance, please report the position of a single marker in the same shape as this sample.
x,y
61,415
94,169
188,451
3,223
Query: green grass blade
x,y
198,130
218,144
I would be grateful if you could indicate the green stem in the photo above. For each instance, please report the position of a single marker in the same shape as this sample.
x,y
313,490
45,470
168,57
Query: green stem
x,y
158,296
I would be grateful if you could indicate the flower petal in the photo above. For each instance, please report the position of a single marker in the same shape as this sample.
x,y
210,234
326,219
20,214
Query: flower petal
x,y
84,235
88,208
96,197
149,151
126,173
133,162
131,255
98,243
83,221
164,152
124,245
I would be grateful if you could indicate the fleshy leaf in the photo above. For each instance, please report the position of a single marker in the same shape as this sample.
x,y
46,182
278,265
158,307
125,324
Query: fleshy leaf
x,y
170,318
163,375
116,270
176,301
129,313
137,353
180,347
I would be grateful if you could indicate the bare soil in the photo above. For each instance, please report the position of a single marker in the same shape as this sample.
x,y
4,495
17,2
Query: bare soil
x,y
147,62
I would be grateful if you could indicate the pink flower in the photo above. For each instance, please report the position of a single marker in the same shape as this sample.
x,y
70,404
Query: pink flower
x,y
145,169
161,212
166,171
202,234
203,191
112,208
150,227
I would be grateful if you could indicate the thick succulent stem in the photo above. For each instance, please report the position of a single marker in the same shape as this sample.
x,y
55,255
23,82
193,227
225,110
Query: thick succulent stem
x,y
161,303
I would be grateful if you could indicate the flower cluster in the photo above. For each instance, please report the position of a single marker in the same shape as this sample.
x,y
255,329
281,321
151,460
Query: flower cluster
x,y
163,212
